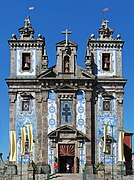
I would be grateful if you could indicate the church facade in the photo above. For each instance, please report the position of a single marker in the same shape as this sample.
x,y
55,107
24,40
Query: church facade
x,y
67,105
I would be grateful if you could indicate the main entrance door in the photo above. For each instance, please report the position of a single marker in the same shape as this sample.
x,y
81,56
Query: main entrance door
x,y
66,156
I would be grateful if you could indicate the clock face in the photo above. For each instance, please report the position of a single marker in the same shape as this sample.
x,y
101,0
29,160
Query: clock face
x,y
25,105
106,106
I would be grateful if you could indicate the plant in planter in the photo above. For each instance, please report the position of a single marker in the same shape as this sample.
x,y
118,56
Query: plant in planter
x,y
55,159
98,166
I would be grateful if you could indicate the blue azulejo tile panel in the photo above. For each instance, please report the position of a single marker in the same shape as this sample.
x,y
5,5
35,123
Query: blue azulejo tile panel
x,y
52,111
109,119
81,123
24,119
82,155
50,154
80,112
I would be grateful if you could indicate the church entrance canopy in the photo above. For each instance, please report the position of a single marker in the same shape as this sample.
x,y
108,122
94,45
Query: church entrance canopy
x,y
66,132
67,142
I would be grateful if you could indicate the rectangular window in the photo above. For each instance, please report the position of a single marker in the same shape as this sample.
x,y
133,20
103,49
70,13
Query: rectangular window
x,y
106,61
25,105
26,62
106,105
66,112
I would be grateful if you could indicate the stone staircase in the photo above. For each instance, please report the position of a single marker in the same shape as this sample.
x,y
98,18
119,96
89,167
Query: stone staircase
x,y
67,176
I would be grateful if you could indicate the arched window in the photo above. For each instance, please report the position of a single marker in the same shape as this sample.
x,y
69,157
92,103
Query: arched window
x,y
66,64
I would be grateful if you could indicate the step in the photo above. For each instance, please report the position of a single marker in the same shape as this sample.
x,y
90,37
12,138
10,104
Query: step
x,y
66,176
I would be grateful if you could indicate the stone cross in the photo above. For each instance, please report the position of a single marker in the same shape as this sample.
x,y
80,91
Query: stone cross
x,y
66,32
106,23
27,21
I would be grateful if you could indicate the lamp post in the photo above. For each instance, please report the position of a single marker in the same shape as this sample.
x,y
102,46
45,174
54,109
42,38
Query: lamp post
x,y
121,157
104,166
21,169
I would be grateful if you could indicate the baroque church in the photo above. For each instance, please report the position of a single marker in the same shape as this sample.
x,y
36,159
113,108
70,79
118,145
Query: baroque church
x,y
66,107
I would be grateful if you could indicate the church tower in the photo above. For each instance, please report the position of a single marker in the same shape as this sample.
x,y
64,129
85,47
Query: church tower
x,y
27,59
66,106
104,60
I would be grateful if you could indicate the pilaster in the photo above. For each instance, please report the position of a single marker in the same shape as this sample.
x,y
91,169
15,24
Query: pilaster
x,y
88,95
45,127
39,128
120,110
12,101
12,61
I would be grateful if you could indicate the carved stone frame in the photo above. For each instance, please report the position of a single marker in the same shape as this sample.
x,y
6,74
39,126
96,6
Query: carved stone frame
x,y
26,97
20,59
65,96
111,54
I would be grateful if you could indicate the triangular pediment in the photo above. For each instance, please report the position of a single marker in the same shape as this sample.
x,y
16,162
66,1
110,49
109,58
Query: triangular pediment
x,y
63,43
67,129
86,74
107,94
47,73
66,87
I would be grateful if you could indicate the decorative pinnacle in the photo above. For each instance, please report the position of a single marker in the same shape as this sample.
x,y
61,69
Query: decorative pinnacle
x,y
27,21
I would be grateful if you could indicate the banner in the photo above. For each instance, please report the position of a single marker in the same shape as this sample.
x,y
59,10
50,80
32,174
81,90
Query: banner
x,y
23,140
30,137
12,156
121,146
105,138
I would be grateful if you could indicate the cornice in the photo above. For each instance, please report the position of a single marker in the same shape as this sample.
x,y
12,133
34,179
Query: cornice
x,y
105,44
26,43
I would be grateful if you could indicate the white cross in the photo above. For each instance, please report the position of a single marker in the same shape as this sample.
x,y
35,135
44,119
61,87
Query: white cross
x,y
106,23
66,32
27,21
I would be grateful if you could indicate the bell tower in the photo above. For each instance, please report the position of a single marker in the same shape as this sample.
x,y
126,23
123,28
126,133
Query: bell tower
x,y
105,52
104,60
28,59
28,55
66,56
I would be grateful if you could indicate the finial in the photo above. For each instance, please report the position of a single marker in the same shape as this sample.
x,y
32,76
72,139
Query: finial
x,y
92,36
40,36
66,32
118,37
14,36
104,23
27,21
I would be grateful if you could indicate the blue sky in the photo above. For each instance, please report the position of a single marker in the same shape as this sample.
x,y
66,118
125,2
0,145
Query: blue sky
x,y
49,18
